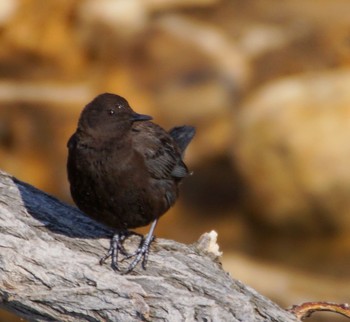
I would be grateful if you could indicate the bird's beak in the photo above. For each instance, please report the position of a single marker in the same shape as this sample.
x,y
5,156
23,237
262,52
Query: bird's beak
x,y
135,117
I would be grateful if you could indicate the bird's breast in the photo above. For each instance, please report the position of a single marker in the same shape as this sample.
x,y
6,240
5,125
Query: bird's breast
x,y
116,187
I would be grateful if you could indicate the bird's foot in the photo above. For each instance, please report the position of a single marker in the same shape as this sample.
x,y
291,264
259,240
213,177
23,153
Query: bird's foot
x,y
141,254
117,247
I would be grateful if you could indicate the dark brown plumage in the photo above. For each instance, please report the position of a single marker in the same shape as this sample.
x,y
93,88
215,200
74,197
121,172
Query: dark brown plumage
x,y
124,170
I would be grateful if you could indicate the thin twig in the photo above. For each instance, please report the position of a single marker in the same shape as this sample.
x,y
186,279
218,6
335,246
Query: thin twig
x,y
305,310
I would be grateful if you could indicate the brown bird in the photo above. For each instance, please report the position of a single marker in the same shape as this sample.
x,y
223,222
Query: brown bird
x,y
124,170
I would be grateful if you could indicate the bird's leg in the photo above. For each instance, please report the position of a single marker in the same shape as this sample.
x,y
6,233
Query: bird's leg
x,y
116,247
143,250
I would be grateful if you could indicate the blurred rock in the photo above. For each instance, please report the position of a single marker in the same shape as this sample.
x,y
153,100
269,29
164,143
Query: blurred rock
x,y
124,18
211,42
159,5
127,18
7,10
257,39
45,92
288,37
293,151
205,79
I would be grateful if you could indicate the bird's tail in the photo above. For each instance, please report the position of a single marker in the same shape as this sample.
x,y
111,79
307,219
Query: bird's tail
x,y
182,135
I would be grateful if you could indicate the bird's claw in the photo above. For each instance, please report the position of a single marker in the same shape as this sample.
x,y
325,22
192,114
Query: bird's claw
x,y
117,247
141,254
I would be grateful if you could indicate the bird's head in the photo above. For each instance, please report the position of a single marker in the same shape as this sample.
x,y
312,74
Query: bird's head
x,y
109,112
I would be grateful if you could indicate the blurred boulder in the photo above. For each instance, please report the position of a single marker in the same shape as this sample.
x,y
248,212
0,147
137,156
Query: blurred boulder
x,y
292,148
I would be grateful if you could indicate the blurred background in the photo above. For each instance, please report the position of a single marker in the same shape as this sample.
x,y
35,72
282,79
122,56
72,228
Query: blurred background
x,y
266,83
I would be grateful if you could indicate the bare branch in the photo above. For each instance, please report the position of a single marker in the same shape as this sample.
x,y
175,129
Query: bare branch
x,y
305,310
49,271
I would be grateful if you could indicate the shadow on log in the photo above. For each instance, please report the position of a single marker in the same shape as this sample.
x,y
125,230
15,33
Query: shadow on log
x,y
49,271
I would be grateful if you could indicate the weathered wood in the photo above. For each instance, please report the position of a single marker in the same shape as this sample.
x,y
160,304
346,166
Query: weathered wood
x,y
49,271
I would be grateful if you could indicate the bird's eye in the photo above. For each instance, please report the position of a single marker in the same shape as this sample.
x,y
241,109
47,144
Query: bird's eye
x,y
111,112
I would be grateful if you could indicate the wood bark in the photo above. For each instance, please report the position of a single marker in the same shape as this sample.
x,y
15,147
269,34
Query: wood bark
x,y
49,271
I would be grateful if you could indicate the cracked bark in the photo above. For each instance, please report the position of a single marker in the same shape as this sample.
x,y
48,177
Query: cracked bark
x,y
49,271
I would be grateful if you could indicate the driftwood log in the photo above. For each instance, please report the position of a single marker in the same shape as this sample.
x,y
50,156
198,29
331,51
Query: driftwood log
x,y
49,271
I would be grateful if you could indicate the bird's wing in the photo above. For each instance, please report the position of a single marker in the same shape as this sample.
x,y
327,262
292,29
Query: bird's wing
x,y
161,153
